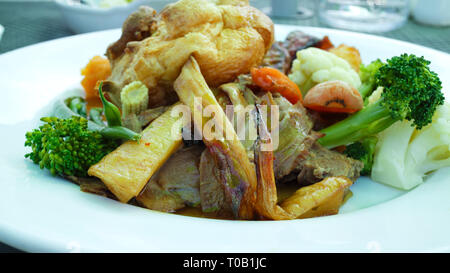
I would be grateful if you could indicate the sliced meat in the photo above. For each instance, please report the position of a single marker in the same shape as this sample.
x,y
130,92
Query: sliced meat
x,y
298,40
278,57
154,197
91,185
176,184
212,194
180,175
298,152
321,163
295,137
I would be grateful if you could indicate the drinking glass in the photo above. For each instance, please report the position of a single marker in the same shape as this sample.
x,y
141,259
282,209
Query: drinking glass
x,y
364,15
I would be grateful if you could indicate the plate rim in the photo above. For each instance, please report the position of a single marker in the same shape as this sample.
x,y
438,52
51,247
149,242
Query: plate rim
x,y
29,241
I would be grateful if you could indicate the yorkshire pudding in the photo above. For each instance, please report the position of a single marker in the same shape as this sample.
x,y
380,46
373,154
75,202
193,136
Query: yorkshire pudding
x,y
226,38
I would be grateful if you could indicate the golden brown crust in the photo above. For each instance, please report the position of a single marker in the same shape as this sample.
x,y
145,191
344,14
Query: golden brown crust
x,y
227,38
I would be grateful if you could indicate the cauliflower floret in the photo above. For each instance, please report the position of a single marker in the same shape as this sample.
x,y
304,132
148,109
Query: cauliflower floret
x,y
314,66
404,156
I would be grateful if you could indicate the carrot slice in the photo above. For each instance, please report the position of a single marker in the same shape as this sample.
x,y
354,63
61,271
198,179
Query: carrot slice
x,y
98,69
325,43
272,80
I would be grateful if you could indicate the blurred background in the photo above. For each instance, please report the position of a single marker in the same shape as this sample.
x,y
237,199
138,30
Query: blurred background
x,y
423,22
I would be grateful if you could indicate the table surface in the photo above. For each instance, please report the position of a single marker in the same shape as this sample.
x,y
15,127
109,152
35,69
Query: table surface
x,y
28,23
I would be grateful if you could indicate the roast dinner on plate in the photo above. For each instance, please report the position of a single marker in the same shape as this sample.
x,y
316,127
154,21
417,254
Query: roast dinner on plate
x,y
197,110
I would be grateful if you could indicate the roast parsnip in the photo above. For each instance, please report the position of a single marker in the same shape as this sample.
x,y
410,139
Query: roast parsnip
x,y
322,198
126,170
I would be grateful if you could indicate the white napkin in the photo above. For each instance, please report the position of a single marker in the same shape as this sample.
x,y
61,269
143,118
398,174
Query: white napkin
x,y
1,31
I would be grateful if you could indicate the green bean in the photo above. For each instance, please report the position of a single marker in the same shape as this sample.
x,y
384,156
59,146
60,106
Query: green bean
x,y
112,113
77,106
119,132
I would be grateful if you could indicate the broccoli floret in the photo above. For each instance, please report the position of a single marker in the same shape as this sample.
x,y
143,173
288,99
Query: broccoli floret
x,y
66,146
411,92
363,151
367,75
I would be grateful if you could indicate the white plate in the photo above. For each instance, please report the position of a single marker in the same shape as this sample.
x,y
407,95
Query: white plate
x,y
43,213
